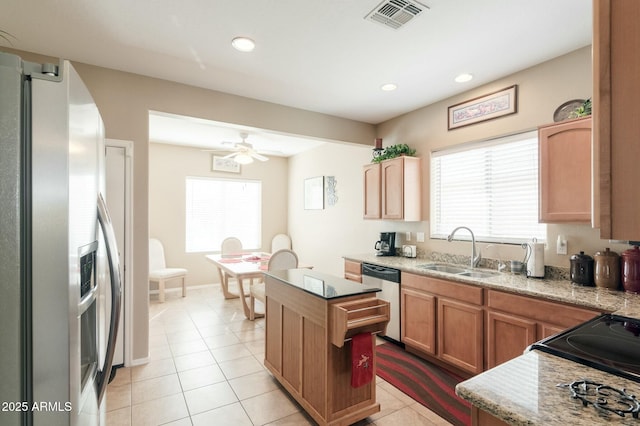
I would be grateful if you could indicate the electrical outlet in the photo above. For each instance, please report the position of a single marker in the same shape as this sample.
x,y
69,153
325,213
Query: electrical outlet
x,y
561,245
407,236
420,237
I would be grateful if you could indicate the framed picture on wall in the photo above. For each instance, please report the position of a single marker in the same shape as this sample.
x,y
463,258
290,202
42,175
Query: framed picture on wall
x,y
487,107
314,193
221,164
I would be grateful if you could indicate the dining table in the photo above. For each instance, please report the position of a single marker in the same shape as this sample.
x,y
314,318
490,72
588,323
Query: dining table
x,y
241,266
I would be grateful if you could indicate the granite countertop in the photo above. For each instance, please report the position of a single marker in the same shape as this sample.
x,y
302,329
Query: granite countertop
x,y
556,289
320,284
524,391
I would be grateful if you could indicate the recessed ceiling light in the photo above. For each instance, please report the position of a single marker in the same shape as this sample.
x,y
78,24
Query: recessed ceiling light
x,y
463,78
243,44
388,87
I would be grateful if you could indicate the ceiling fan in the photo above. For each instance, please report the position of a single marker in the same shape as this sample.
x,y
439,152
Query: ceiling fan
x,y
243,152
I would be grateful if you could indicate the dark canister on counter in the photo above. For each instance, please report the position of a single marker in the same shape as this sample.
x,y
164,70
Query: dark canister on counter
x,y
607,269
581,271
631,270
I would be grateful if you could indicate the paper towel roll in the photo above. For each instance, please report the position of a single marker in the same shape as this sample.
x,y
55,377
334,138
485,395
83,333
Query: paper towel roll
x,y
535,264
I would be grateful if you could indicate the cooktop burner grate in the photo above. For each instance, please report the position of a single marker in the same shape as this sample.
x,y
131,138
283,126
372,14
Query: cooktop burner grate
x,y
604,397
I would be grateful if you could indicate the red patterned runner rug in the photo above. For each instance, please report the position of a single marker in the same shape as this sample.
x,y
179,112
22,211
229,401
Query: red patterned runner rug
x,y
428,384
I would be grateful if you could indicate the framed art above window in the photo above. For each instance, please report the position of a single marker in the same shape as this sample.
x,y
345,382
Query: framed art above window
x,y
487,107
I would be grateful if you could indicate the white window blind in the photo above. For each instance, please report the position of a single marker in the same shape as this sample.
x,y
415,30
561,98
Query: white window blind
x,y
221,208
490,187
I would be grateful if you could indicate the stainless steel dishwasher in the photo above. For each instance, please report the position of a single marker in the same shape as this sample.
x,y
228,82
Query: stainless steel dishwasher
x,y
388,279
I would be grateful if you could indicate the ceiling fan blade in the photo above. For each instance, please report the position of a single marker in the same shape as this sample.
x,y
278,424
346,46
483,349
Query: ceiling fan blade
x,y
259,157
233,154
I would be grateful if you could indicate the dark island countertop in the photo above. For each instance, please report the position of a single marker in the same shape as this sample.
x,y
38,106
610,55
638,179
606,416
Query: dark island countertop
x,y
320,284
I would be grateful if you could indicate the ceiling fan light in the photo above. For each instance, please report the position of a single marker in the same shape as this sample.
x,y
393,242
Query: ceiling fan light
x,y
243,158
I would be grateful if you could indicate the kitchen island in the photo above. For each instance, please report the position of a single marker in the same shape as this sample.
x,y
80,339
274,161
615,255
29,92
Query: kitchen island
x,y
310,319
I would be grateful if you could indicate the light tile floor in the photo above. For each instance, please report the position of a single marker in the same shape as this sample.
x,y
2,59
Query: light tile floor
x,y
206,368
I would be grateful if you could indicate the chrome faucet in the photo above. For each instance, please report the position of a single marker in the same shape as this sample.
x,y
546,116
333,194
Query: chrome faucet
x,y
475,255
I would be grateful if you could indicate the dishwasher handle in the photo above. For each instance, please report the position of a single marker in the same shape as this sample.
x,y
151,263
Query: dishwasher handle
x,y
382,272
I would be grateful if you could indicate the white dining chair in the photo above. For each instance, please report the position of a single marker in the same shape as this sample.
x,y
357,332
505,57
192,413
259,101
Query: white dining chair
x,y
231,246
279,242
158,271
280,260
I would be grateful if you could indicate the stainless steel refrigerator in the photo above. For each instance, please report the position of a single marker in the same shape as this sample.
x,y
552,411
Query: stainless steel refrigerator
x,y
59,269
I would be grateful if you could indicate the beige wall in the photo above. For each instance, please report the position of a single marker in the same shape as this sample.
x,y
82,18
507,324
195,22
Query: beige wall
x,y
169,165
328,234
322,237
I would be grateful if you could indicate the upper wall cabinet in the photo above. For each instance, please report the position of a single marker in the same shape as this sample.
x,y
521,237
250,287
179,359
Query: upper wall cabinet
x,y
616,137
565,171
392,189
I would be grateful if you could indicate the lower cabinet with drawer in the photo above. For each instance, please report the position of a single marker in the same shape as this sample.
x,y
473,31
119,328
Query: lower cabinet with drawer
x,y
353,270
514,322
473,328
443,319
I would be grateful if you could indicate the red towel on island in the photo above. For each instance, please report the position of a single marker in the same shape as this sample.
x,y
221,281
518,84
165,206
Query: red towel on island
x,y
361,359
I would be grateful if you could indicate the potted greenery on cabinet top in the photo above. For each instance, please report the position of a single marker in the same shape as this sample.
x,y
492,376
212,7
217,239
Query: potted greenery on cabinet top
x,y
394,151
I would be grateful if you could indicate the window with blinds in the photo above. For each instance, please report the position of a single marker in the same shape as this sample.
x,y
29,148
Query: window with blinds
x,y
221,208
490,187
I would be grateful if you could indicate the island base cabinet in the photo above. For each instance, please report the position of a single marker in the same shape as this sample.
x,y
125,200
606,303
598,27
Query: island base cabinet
x,y
300,355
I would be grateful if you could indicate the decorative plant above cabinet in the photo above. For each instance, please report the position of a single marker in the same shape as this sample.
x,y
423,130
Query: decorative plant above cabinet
x,y
583,110
394,151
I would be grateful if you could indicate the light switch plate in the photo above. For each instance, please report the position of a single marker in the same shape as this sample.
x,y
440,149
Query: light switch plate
x,y
420,237
407,236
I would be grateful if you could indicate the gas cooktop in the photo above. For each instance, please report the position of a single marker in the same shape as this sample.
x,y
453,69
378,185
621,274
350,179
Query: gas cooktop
x,y
608,342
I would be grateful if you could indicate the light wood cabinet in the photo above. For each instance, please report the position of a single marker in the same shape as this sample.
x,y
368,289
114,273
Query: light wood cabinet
x,y
473,328
353,270
514,322
565,171
507,336
616,66
371,202
460,335
445,319
418,319
392,189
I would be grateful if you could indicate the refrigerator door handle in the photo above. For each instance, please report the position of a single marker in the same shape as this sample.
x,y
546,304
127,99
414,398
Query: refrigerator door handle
x,y
114,272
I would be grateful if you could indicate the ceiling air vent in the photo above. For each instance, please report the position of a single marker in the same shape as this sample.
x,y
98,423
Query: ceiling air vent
x,y
395,13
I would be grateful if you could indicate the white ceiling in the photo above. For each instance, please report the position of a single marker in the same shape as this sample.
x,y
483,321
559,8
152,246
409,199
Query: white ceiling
x,y
205,134
318,55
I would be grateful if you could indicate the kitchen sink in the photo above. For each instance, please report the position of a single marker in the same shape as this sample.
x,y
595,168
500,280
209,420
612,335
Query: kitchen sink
x,y
458,270
443,268
478,274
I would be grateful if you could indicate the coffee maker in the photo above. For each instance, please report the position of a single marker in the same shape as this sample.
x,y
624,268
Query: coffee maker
x,y
386,245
